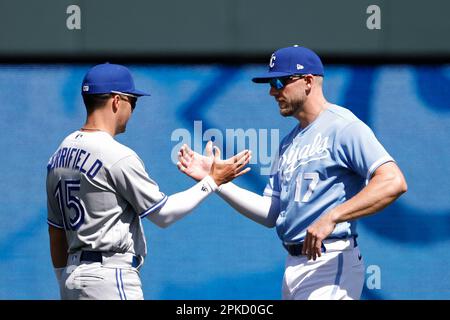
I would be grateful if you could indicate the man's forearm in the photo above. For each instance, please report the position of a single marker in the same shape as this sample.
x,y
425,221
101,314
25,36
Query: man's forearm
x,y
182,203
263,210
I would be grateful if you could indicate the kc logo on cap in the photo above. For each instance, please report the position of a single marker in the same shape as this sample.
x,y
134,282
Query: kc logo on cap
x,y
272,60
290,61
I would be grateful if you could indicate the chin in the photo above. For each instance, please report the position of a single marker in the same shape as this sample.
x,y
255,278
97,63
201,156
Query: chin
x,y
286,113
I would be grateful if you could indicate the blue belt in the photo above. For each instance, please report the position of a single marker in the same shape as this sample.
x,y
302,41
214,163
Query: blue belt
x,y
96,256
295,249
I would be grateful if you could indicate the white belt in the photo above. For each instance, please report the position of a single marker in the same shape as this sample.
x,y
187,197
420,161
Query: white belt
x,y
338,244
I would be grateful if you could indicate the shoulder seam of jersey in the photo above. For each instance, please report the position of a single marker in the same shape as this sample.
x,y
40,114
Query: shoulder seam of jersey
x,y
127,156
339,133
340,115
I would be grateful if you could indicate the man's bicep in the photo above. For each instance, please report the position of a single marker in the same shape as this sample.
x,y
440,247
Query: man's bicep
x,y
387,169
57,235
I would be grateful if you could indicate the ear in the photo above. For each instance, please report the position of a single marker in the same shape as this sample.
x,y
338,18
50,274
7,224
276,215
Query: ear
x,y
309,81
115,103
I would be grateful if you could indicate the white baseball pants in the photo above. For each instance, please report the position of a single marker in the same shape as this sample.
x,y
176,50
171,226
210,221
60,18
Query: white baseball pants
x,y
113,280
337,275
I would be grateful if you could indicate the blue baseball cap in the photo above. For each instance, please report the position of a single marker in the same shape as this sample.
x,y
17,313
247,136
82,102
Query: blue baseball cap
x,y
290,61
108,77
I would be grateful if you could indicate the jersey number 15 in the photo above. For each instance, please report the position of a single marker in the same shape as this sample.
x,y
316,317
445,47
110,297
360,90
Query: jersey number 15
x,y
69,203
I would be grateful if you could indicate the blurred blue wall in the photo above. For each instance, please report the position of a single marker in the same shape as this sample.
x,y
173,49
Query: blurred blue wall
x,y
215,253
177,28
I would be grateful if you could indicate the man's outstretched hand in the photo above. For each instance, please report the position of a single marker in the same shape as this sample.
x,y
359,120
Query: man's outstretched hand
x,y
198,166
193,164
223,171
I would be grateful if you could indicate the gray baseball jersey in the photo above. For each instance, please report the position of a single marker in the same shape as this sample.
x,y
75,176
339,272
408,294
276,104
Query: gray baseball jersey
x,y
98,191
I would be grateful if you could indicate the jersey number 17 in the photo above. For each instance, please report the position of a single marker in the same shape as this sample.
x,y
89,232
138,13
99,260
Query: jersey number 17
x,y
313,177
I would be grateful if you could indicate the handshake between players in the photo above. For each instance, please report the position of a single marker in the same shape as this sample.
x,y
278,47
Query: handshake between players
x,y
198,166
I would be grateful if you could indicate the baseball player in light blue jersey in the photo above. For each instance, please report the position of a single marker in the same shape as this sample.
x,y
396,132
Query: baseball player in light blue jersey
x,y
330,170
98,191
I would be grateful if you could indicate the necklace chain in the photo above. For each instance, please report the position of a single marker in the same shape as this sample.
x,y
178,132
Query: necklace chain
x,y
90,129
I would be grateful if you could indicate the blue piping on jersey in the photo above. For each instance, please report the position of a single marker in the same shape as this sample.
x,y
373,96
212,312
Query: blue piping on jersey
x,y
54,224
154,207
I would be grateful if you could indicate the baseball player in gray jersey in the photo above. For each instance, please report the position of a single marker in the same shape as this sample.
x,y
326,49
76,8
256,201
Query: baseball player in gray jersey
x,y
329,171
98,191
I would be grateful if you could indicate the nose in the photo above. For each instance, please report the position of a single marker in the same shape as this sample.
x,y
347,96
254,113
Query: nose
x,y
273,91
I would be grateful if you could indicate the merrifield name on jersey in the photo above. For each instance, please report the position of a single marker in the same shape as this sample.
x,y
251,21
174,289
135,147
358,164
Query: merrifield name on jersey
x,y
76,159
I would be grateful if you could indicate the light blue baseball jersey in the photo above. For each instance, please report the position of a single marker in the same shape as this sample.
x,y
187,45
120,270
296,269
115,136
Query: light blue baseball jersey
x,y
320,167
